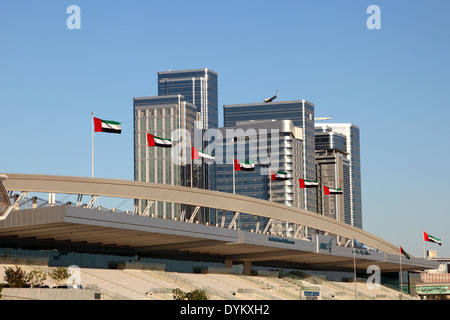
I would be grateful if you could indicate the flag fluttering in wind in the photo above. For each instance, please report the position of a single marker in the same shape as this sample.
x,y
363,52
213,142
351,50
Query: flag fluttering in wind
x,y
328,191
237,166
246,166
107,126
154,141
308,184
197,154
280,175
99,125
406,254
430,238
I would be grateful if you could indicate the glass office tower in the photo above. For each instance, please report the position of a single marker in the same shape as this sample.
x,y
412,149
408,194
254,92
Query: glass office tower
x,y
160,116
333,171
272,146
199,87
301,113
352,147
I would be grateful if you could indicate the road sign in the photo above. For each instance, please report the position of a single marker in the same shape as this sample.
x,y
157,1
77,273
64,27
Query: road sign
x,y
311,293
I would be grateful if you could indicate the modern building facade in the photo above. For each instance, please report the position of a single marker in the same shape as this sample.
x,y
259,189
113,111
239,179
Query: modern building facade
x,y
333,171
199,87
334,132
187,100
161,116
301,113
271,146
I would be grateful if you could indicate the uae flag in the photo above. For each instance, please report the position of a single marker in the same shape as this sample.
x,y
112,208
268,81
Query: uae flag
x,y
237,166
154,141
430,238
107,126
246,166
406,254
308,184
196,154
328,191
280,176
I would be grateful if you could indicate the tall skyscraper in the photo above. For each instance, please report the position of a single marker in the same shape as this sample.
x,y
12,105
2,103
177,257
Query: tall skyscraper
x,y
333,171
352,148
160,116
301,113
199,87
262,147
187,99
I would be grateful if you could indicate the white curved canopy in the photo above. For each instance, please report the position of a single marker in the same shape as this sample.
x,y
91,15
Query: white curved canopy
x,y
195,197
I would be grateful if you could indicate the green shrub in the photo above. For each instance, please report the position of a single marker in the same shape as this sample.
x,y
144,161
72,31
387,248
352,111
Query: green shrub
x,y
16,278
59,274
193,295
37,278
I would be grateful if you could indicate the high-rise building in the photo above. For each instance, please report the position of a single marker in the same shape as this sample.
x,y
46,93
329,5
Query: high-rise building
x,y
267,147
352,149
301,113
187,99
161,116
199,87
333,171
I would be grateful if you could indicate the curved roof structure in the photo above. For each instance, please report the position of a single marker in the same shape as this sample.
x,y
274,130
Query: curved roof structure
x,y
146,234
195,197
5,203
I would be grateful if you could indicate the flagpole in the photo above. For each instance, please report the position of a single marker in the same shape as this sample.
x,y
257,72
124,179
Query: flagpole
x,y
270,187
92,146
234,178
401,276
354,265
423,242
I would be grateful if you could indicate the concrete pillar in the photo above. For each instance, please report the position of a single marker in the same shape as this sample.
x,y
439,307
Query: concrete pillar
x,y
247,268
228,263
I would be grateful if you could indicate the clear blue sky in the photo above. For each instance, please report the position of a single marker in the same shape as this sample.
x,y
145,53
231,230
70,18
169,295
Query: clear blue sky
x,y
393,83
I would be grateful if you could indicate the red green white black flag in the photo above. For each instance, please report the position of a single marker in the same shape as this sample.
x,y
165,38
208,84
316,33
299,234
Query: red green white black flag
x,y
107,126
328,191
280,175
430,238
406,254
308,184
154,141
197,154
